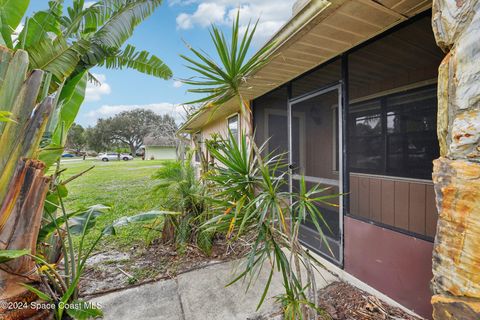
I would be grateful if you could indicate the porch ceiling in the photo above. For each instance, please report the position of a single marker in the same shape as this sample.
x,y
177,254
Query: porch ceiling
x,y
318,32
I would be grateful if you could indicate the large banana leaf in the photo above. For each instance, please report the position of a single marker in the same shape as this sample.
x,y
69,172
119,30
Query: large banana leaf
x,y
120,25
7,255
57,56
77,220
12,12
13,69
71,98
140,61
81,19
36,29
139,218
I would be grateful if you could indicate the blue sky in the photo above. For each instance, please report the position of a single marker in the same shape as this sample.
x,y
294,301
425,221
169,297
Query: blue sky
x,y
163,34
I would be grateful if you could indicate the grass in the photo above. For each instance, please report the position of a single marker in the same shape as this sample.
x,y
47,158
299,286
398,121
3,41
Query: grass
x,y
124,186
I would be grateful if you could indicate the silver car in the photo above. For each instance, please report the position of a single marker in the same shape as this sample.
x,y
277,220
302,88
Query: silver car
x,y
114,156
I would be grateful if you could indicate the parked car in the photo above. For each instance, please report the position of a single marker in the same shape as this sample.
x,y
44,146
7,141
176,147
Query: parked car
x,y
67,155
114,156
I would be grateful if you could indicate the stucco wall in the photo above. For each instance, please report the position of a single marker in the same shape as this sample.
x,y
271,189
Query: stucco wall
x,y
159,153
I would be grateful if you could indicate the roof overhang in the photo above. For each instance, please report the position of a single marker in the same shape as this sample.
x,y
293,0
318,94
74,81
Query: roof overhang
x,y
320,31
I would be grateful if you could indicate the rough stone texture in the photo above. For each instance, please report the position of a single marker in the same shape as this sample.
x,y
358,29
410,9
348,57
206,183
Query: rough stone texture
x,y
456,257
456,26
455,308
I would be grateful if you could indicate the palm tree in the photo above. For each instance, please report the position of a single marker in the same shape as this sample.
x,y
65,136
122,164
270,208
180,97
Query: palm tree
x,y
224,80
43,75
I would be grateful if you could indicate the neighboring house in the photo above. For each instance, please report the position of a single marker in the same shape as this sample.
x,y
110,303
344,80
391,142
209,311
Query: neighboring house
x,y
351,97
157,148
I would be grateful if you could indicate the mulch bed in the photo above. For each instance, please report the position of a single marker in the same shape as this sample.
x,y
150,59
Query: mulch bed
x,y
345,302
111,270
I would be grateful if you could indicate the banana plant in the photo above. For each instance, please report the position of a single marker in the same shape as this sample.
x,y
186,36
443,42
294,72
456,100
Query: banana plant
x,y
61,290
43,74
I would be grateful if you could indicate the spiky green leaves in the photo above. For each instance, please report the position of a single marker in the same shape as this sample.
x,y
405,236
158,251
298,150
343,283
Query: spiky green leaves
x,y
221,81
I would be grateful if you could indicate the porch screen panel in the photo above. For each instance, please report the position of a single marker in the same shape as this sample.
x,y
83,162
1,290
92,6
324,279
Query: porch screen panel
x,y
327,74
271,123
315,157
392,129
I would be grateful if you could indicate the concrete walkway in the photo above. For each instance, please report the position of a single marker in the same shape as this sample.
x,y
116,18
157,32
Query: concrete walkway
x,y
197,295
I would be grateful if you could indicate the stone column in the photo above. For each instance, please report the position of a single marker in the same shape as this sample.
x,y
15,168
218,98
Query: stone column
x,y
456,174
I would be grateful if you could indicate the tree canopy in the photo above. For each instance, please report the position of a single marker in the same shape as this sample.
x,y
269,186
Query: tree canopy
x,y
129,128
76,138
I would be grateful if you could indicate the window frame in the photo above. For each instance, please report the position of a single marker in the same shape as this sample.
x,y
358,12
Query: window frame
x,y
198,146
383,169
236,114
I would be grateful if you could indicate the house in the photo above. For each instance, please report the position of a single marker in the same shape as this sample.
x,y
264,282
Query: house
x,y
351,96
157,148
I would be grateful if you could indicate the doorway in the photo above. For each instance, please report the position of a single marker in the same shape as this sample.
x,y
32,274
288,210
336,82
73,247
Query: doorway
x,y
315,144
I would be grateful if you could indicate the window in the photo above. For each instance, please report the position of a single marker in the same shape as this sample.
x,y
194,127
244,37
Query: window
x,y
233,126
197,140
395,135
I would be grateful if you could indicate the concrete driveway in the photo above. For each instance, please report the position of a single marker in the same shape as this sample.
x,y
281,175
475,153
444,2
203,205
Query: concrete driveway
x,y
197,295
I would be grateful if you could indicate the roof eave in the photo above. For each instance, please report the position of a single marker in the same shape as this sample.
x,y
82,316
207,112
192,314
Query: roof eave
x,y
306,14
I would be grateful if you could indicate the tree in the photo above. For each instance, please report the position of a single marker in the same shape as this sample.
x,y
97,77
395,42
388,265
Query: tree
x,y
131,127
95,140
45,70
456,174
76,138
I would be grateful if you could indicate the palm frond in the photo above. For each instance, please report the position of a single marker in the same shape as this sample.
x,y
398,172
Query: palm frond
x,y
141,61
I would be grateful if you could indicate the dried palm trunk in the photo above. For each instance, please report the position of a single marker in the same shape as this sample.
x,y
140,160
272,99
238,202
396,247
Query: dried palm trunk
x,y
456,256
23,186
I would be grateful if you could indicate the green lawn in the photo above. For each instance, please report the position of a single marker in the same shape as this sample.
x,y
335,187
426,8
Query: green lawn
x,y
124,186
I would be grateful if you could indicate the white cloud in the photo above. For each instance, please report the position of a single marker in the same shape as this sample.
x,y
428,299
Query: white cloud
x,y
95,92
205,14
177,84
105,111
272,14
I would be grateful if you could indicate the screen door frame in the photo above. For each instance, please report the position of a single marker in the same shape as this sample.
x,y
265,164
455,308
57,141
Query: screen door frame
x,y
339,126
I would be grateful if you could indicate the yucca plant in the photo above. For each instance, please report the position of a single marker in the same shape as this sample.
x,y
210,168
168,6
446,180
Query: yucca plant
x,y
250,200
181,191
224,78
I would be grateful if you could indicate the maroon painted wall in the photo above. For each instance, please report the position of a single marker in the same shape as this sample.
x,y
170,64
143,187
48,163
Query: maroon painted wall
x,y
397,265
